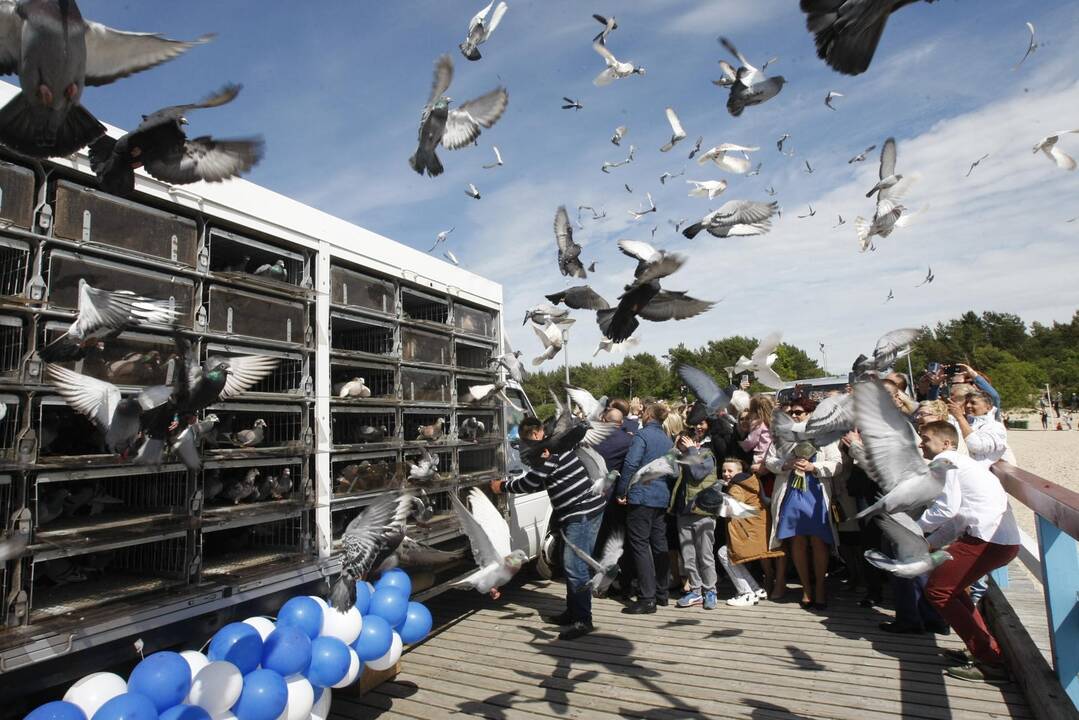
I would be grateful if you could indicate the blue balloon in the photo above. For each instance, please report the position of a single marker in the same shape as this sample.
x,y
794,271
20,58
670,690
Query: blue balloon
x,y
330,660
390,604
375,638
363,596
129,706
317,689
164,677
264,696
185,712
397,579
57,710
301,612
417,623
287,650
240,644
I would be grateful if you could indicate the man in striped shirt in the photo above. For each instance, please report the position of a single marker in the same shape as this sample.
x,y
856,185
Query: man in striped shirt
x,y
575,511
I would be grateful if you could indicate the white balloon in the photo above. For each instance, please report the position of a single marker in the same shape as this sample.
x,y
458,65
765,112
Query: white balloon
x,y
264,625
391,657
345,626
195,660
321,709
320,601
216,688
354,667
94,690
227,715
301,696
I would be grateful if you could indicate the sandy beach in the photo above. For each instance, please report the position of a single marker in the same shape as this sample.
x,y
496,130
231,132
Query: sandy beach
x,y
1049,454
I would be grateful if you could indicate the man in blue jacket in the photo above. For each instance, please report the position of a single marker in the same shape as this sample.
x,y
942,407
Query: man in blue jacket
x,y
646,520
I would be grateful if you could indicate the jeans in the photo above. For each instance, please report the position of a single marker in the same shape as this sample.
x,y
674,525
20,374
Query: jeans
x,y
912,608
696,538
744,582
647,528
581,533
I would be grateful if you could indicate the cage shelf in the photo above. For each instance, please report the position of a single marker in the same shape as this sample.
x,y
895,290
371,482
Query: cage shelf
x,y
362,337
355,290
421,307
235,552
478,460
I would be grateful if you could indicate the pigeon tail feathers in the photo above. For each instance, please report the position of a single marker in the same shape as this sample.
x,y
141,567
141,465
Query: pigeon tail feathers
x,y
25,129
343,593
691,230
426,162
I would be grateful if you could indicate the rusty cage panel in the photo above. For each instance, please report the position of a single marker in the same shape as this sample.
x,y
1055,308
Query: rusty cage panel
x,y
17,195
474,321
354,290
238,258
237,313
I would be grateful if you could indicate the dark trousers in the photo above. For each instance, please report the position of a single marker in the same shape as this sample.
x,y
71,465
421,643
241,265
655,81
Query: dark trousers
x,y
912,607
647,529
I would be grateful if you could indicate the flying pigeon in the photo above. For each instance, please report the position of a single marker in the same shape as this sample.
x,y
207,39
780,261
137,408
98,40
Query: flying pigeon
x,y
512,362
186,445
572,104
652,264
888,176
218,378
669,175
472,192
771,192
545,312
275,271
160,146
707,390
648,301
734,218
480,28
722,156
628,188
608,164
828,98
619,133
368,540
608,345
13,544
441,238
103,315
846,33
453,129
1048,145
56,53
489,536
118,418
929,277
760,362
425,470
579,297
810,214
892,458
751,86
448,254
707,188
783,138
479,393
605,568
1031,46
862,155
833,418
498,159
891,296
755,171
551,337
677,133
912,554
569,252
975,164
880,225
596,469
809,168
591,408
616,69
609,25
696,146
663,466
677,224
355,388
890,347
638,214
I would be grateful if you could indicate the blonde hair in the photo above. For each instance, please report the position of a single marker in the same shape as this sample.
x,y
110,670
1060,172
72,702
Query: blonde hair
x,y
761,408
937,408
673,424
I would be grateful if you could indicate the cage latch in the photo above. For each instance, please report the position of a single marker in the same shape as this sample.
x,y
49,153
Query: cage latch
x,y
200,316
86,226
44,217
308,385
196,502
174,248
308,335
308,437
33,368
26,447
204,258
36,288
196,564
228,320
288,330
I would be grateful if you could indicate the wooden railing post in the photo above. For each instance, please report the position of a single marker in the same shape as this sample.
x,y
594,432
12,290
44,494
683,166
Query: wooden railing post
x,y
1060,573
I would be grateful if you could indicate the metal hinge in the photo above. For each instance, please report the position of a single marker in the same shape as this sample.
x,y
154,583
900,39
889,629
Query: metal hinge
x,y
44,217
204,258
228,320
308,335
86,225
33,367
308,437
200,316
26,449
308,385
174,250
36,288
196,564
288,330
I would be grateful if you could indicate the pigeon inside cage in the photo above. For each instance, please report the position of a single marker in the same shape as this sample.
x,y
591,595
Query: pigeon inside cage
x,y
358,475
231,486
422,308
357,428
234,255
471,356
256,428
82,502
349,334
362,382
473,427
286,378
425,427
134,359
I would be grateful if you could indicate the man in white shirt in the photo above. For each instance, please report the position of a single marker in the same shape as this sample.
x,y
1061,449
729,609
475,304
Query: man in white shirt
x,y
973,519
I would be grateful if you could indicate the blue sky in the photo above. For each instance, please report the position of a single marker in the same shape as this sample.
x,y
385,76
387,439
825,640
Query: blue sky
x,y
337,91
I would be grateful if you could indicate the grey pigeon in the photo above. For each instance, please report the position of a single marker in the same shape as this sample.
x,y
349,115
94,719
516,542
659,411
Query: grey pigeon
x,y
616,69
512,362
828,98
52,505
833,418
160,145
241,490
892,458
480,28
368,540
471,428
846,32
912,555
663,466
274,271
706,389
544,313
102,315
472,192
652,264
414,554
751,86
890,347
252,437
602,479
218,378
605,568
117,417
186,446
571,104
569,252
579,297
453,129
862,155
648,301
56,53
696,147
735,218
12,545
929,277
592,409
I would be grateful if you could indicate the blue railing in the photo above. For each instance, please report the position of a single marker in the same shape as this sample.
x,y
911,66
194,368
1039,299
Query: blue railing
x,y
1057,515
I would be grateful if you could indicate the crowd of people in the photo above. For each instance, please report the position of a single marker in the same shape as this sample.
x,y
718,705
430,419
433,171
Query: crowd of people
x,y
805,501
1050,405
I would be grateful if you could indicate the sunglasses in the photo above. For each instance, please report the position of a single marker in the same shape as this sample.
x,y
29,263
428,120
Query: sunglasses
x,y
797,413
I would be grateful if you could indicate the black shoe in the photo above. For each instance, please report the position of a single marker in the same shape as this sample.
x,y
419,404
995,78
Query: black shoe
x,y
562,618
901,629
868,602
663,602
939,629
576,630
640,608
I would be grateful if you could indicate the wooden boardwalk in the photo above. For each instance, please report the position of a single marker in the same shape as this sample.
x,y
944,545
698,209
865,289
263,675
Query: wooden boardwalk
x,y
775,661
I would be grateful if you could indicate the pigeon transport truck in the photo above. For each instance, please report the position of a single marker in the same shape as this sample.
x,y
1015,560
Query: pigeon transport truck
x,y
119,551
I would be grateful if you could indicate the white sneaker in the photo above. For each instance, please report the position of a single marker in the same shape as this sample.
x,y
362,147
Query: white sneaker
x,y
761,594
743,600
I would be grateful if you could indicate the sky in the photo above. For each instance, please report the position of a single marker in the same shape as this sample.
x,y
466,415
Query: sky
x,y
337,91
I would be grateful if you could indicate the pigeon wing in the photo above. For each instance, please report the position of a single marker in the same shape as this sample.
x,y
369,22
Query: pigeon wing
x,y
496,18
483,549
588,559
563,231
112,54
204,158
887,158
891,449
905,534
463,123
365,536
443,77
583,398
10,38
748,211
96,399
612,548
704,387
598,432
832,419
593,462
673,305
244,373
637,250
891,344
477,19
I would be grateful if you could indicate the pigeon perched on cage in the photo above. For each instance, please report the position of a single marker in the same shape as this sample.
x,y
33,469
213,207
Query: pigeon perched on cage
x,y
56,53
368,540
275,271
471,428
252,437
161,147
102,315
355,388
432,432
425,470
489,536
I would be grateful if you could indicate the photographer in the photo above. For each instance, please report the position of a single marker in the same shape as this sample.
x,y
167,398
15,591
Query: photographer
x,y
932,382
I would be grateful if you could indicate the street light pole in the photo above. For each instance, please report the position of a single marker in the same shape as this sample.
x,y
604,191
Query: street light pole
x,y
565,351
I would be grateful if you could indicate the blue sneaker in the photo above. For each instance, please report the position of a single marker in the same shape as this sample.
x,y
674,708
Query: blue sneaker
x,y
710,600
689,599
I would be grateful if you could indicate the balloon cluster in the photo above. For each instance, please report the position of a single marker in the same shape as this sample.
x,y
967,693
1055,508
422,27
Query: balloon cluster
x,y
259,669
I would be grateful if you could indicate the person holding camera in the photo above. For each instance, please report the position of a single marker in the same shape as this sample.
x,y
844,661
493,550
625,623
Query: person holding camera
x,y
985,436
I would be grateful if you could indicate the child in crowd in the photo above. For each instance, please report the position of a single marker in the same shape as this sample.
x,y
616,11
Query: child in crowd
x,y
696,529
747,538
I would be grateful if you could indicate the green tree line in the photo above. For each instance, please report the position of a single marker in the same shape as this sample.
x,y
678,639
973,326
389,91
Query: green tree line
x,y
1019,360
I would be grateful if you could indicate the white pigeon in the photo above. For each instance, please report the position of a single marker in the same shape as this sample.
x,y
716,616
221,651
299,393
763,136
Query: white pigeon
x,y
619,133
652,264
489,536
892,457
551,337
608,345
451,257
760,363
881,225
441,238
498,159
833,418
1048,145
616,69
892,186
735,218
592,408
355,388
479,393
1032,45
912,555
890,347
472,192
677,133
723,156
707,188
638,214
605,568
480,28
425,470
596,467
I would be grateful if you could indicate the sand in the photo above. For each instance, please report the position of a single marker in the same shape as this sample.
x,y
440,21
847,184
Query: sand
x,y
1053,455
